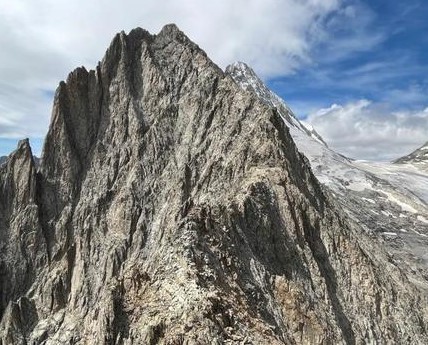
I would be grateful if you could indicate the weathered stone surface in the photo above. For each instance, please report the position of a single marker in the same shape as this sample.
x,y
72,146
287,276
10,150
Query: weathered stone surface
x,y
172,207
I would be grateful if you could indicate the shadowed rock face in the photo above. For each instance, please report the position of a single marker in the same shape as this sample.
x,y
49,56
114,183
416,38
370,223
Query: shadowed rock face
x,y
173,207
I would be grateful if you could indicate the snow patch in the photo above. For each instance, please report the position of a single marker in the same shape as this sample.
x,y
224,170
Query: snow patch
x,y
418,233
422,219
386,213
404,206
389,233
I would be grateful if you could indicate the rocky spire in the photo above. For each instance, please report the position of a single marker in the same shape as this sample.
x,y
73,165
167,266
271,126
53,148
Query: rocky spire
x,y
248,80
22,241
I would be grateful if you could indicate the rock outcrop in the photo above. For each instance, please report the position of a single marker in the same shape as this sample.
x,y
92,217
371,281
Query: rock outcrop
x,y
418,158
172,207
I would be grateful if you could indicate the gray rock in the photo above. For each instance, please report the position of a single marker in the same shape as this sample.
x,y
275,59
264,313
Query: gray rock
x,y
3,160
418,158
389,201
172,207
22,243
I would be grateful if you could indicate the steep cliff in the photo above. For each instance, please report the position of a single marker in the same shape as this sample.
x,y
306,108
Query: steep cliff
x,y
172,207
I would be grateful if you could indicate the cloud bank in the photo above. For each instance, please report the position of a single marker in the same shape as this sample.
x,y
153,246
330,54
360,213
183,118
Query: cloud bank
x,y
367,130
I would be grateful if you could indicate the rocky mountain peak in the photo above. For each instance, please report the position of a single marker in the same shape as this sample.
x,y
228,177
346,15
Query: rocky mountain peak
x,y
173,207
22,243
172,32
19,172
418,158
23,148
248,80
245,76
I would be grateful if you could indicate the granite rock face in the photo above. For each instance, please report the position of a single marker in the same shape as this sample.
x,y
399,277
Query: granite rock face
x,y
172,207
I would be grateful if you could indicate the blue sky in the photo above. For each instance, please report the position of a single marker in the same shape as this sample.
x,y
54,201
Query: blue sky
x,y
381,55
355,70
365,88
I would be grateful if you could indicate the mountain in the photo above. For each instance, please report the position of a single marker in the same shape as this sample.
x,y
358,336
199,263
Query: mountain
x,y
389,201
247,79
171,206
418,158
3,159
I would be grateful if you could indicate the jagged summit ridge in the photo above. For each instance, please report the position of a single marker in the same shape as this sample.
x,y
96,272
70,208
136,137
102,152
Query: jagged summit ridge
x,y
171,206
245,76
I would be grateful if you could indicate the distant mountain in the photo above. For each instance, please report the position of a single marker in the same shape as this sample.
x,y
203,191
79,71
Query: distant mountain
x,y
172,206
389,201
3,159
247,79
418,158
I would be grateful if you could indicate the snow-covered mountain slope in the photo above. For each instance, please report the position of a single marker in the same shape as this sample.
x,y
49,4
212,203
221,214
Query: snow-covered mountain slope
x,y
389,200
418,158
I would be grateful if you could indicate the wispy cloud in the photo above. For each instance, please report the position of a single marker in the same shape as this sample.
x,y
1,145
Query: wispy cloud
x,y
373,51
352,30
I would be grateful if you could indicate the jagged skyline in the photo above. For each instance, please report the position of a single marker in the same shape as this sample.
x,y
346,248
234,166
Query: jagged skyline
x,y
173,206
360,62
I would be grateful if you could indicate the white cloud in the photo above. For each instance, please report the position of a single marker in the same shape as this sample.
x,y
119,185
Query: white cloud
x,y
367,130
